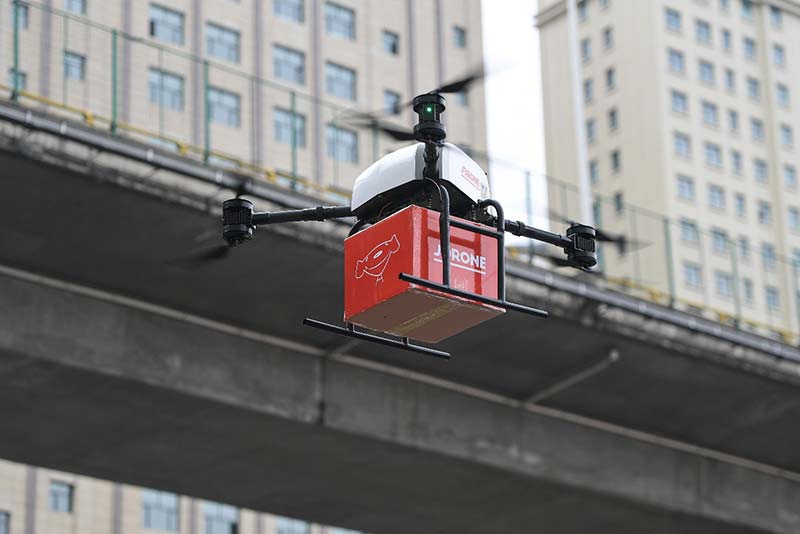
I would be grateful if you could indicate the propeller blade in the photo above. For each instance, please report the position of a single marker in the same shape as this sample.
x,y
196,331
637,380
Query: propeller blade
x,y
462,83
623,242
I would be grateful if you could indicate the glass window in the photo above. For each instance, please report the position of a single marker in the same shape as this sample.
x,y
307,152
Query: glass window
x,y
340,81
289,9
289,65
676,61
686,187
391,101
692,274
459,37
757,129
616,161
220,518
619,203
716,197
61,496
160,510
588,91
730,80
74,66
462,98
608,38
747,10
768,257
776,16
724,5
749,49
683,145
724,283
594,174
787,135
590,130
794,218
689,231
764,212
283,120
165,89
773,298
5,523
222,43
340,21
75,6
680,104
706,71
736,162
782,95
586,49
747,290
727,40
342,144
713,155
733,121
753,88
710,114
285,525
166,24
583,12
224,107
611,79
22,13
391,43
740,205
790,176
760,170
702,31
613,119
673,18
779,55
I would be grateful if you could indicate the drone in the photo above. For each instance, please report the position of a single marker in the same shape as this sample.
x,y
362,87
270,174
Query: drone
x,y
425,258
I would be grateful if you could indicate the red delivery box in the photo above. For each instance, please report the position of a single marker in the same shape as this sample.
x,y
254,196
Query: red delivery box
x,y
408,242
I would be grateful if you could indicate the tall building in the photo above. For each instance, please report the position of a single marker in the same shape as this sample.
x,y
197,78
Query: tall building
x,y
269,83
691,110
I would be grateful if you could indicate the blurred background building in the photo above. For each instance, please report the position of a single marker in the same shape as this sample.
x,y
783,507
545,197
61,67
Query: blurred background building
x,y
691,124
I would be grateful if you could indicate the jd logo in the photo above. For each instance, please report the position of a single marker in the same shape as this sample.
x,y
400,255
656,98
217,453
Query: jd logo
x,y
376,260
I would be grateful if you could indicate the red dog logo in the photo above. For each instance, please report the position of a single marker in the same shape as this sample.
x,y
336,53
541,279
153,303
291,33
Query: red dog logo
x,y
376,260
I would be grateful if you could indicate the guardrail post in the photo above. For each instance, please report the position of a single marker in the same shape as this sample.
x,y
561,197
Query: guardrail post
x,y
15,83
206,114
114,81
670,262
737,304
293,103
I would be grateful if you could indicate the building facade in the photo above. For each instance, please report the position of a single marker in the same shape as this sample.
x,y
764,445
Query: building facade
x,y
692,120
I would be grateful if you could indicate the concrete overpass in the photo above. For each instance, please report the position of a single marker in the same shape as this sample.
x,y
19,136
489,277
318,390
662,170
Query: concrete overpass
x,y
118,362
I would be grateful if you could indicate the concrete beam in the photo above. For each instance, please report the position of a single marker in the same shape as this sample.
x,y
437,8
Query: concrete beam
x,y
113,388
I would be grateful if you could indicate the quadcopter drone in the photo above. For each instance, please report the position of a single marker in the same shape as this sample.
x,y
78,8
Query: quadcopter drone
x,y
425,258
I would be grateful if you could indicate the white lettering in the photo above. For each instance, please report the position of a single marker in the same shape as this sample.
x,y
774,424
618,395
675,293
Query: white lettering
x,y
463,257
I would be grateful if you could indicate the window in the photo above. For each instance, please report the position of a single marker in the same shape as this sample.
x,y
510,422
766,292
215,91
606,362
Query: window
x,y
289,65
702,31
730,80
724,5
160,511
165,89
736,162
593,172
590,131
75,6
61,496
74,66
689,231
611,79
692,275
285,525
790,176
706,72
683,145
391,101
740,205
787,136
588,91
224,107
727,40
713,155
782,95
757,129
220,518
747,290
166,24
776,16
673,20
289,128
716,197
5,523
747,10
586,49
724,283
753,88
768,257
22,13
459,37
616,161
764,212
340,21
733,121
289,9
391,43
749,49
793,216
342,144
744,248
20,81
680,104
779,55
710,114
608,38
583,12
340,81
619,203
461,98
773,299
676,61
613,119
686,188
222,43
760,170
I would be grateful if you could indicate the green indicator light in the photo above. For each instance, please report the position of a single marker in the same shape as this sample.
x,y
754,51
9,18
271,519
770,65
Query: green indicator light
x,y
429,109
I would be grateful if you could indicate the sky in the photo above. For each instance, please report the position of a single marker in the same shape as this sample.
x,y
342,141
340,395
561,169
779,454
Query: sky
x,y
514,105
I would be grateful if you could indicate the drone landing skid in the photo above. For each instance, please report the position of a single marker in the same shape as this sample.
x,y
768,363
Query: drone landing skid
x,y
403,343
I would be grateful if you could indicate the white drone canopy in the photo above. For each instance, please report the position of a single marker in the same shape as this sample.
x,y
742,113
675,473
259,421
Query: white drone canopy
x,y
406,165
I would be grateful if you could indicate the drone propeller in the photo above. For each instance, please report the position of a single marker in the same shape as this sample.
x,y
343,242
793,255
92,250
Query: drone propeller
x,y
557,261
623,242
203,255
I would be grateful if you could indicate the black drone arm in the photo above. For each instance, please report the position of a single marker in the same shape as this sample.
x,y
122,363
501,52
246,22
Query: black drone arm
x,y
579,244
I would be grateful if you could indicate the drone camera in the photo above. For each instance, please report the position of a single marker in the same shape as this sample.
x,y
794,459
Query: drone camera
x,y
429,108
237,221
583,252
